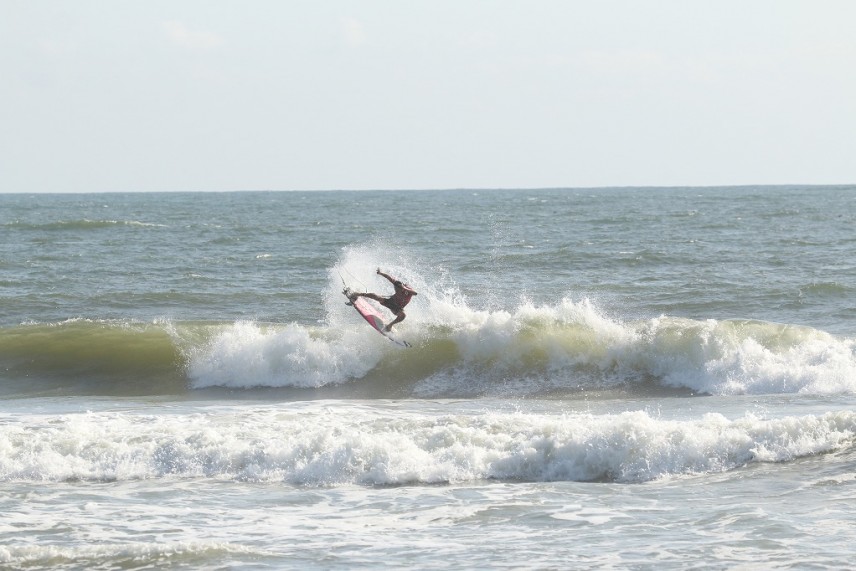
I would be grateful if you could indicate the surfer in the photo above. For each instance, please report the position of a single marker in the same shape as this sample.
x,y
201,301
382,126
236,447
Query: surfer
x,y
396,302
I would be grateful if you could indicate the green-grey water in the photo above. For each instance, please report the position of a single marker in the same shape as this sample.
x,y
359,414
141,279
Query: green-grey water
x,y
626,378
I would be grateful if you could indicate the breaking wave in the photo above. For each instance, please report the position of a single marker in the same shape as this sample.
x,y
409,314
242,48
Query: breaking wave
x,y
530,351
457,350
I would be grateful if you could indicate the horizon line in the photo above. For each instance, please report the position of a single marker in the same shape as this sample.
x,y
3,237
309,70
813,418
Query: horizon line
x,y
450,189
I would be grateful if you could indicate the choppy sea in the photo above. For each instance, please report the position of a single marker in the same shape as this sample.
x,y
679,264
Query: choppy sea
x,y
631,378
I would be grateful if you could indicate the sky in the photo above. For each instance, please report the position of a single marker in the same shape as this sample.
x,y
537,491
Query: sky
x,y
216,95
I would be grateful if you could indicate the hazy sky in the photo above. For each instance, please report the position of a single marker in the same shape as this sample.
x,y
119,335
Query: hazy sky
x,y
289,94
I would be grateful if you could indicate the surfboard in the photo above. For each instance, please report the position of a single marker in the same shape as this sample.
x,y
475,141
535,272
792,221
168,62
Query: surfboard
x,y
372,316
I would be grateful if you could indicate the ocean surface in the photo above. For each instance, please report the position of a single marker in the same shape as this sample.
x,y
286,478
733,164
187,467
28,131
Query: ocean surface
x,y
633,378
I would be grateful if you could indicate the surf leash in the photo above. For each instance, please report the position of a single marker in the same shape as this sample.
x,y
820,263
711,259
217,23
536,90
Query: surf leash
x,y
353,276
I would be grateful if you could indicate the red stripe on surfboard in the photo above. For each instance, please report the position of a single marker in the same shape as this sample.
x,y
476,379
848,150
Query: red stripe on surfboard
x,y
369,313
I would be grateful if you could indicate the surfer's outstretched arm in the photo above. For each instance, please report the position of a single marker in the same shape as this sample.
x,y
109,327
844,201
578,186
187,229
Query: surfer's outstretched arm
x,y
387,276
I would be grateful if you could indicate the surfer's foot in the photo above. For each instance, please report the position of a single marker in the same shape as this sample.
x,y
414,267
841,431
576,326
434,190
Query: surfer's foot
x,y
388,328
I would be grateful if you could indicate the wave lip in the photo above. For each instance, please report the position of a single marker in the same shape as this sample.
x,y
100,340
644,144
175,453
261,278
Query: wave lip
x,y
317,446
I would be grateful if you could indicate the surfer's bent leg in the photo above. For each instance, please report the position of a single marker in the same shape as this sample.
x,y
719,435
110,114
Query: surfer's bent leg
x,y
399,317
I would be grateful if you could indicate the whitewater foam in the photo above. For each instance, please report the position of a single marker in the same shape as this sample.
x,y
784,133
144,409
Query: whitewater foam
x,y
745,357
248,355
312,445
121,555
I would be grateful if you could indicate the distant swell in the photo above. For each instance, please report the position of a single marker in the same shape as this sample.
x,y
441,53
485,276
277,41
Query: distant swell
x,y
561,350
82,224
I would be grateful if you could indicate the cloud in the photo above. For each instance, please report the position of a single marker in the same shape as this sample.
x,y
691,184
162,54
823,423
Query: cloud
x,y
622,62
197,40
55,48
353,32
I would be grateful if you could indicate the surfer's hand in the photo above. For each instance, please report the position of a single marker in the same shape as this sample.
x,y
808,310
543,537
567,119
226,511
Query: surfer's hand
x,y
378,271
